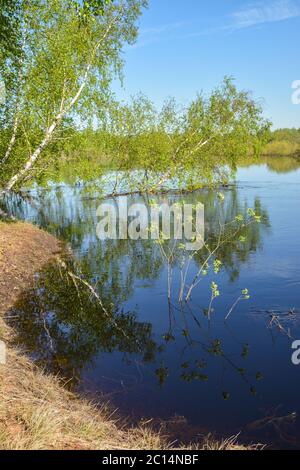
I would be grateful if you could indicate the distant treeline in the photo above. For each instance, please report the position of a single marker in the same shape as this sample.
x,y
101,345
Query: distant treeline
x,y
97,145
284,142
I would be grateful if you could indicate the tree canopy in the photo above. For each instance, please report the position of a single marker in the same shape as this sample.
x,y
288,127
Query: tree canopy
x,y
198,143
68,58
58,60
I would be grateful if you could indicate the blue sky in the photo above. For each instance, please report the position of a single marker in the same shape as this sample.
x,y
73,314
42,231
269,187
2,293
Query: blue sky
x,y
186,46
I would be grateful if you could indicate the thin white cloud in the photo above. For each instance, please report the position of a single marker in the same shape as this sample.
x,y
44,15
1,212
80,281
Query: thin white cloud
x,y
154,34
254,14
260,13
165,28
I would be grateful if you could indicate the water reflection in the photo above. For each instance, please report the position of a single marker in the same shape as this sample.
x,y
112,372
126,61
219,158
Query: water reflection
x,y
62,322
158,356
65,322
275,164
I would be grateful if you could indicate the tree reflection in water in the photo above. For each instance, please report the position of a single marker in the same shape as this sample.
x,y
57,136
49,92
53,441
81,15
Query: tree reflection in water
x,y
61,323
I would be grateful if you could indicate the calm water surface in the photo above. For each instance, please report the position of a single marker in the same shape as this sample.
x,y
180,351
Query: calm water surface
x,y
155,359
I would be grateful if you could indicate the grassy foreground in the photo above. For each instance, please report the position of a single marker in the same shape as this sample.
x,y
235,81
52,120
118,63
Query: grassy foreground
x,y
36,411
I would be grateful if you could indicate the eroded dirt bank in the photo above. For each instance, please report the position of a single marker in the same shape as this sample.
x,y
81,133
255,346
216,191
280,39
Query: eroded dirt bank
x,y
24,250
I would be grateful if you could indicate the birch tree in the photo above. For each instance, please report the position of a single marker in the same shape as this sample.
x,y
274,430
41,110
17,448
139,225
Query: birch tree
x,y
69,52
200,143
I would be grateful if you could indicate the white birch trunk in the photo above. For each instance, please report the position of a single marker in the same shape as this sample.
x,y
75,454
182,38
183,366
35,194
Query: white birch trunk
x,y
12,140
57,120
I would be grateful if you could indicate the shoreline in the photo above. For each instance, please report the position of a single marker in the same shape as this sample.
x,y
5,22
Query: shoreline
x,y
36,410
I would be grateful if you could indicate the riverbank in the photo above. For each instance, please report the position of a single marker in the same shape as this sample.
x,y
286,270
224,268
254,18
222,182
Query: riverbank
x,y
36,411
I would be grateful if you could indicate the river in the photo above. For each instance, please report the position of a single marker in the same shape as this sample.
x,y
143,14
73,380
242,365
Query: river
x,y
158,358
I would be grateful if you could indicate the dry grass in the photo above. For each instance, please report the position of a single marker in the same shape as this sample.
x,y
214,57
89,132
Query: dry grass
x,y
210,443
36,411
